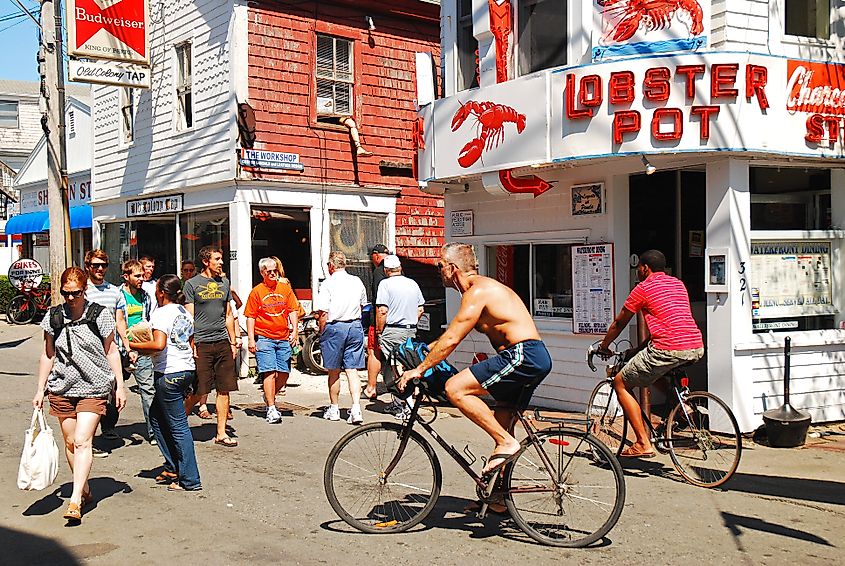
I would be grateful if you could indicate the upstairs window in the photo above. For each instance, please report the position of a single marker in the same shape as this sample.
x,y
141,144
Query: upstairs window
x,y
807,18
127,114
8,114
541,34
334,78
184,100
467,65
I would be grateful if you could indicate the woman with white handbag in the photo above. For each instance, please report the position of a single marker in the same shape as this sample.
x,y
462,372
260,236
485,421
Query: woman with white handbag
x,y
78,369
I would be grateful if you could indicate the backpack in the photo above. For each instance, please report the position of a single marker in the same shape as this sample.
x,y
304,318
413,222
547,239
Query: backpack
x,y
57,320
409,355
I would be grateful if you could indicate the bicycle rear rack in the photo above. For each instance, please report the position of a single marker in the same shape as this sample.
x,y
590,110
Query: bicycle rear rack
x,y
569,421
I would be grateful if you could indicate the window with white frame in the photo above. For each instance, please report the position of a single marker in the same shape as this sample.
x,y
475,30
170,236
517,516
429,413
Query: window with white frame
x,y
127,114
8,114
540,273
354,234
467,48
335,77
807,18
540,34
184,100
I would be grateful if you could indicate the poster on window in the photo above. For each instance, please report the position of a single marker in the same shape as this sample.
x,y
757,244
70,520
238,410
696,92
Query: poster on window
x,y
790,279
592,288
634,27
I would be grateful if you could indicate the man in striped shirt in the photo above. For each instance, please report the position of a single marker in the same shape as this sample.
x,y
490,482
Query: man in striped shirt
x,y
674,341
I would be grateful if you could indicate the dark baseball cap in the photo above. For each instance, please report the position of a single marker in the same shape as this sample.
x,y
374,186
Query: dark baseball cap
x,y
379,249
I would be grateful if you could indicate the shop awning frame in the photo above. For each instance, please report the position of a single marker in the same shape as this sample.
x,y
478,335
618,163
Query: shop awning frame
x,y
36,222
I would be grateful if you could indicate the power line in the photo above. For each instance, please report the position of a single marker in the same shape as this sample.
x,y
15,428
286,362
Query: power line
x,y
22,20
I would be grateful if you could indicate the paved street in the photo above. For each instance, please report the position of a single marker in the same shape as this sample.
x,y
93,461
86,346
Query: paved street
x,y
263,502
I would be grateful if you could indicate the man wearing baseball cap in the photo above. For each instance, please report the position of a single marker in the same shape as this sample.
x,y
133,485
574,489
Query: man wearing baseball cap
x,y
377,254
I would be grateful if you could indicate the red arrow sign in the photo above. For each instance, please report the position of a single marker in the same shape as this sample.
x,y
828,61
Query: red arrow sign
x,y
124,21
532,184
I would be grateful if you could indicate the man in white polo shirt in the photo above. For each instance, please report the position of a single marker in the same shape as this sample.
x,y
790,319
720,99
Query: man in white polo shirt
x,y
338,304
399,305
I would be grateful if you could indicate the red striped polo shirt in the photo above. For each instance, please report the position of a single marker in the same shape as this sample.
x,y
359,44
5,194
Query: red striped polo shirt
x,y
665,304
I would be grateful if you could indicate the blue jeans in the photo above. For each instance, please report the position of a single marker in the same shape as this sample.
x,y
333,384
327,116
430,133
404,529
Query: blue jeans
x,y
170,426
144,378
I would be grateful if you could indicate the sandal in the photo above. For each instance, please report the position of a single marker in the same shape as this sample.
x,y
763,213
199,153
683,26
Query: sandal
x,y
226,441
204,414
166,477
176,487
502,461
73,513
629,453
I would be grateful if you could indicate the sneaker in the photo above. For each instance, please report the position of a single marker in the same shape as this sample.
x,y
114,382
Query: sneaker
x,y
395,407
355,416
111,434
153,442
99,453
332,413
273,415
403,415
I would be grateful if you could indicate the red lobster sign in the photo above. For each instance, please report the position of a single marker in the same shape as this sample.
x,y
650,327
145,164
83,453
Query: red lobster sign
x,y
626,16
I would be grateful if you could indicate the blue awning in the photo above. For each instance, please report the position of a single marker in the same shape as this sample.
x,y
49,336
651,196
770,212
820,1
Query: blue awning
x,y
34,222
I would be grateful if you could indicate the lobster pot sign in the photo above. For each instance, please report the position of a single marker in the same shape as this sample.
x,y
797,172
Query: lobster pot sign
x,y
632,27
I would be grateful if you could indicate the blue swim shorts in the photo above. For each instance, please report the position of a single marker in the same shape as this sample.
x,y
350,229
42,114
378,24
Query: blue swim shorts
x,y
342,345
272,355
512,375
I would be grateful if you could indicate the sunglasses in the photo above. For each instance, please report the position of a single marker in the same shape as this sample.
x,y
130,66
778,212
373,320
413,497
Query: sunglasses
x,y
271,271
98,265
69,294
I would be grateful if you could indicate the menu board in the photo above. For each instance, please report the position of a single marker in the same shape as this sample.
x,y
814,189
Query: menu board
x,y
592,288
790,279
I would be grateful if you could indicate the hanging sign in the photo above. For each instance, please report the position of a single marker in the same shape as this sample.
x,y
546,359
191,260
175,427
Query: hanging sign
x,y
115,30
109,73
592,288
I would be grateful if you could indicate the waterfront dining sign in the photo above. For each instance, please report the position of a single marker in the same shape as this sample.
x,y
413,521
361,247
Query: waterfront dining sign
x,y
714,101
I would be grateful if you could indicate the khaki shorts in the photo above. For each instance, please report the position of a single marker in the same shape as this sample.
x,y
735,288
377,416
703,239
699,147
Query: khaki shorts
x,y
649,365
67,407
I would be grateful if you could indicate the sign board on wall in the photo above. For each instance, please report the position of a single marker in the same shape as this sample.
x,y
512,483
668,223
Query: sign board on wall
x,y
461,223
592,288
587,200
259,159
790,279
115,30
109,73
79,193
154,205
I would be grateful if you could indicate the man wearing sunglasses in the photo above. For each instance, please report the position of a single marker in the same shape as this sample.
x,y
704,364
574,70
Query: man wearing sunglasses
x,y
511,376
109,296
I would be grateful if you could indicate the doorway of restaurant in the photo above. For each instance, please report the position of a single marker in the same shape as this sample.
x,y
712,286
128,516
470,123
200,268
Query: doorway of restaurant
x,y
667,213
156,238
286,234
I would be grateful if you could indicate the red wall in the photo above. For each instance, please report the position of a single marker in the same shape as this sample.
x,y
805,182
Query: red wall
x,y
282,94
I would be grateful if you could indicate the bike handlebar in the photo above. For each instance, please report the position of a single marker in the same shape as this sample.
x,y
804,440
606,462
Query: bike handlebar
x,y
593,351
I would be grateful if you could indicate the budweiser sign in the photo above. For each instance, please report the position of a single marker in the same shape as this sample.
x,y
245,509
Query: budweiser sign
x,y
815,88
114,30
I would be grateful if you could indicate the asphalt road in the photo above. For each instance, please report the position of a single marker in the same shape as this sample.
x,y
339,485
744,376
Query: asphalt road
x,y
263,502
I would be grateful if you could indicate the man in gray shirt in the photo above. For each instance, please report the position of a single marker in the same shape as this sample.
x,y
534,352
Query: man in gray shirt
x,y
215,341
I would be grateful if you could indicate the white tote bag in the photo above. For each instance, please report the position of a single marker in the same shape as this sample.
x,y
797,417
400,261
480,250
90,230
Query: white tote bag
x,y
40,456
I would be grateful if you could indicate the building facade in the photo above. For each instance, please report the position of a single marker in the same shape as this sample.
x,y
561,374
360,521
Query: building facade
x,y
574,135
270,129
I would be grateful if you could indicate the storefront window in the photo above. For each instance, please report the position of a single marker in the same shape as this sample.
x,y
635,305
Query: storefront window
x,y
354,234
542,38
807,18
790,198
467,48
206,228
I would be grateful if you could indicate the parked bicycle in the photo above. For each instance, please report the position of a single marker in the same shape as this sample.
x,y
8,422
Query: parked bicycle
x,y
30,301
699,431
565,488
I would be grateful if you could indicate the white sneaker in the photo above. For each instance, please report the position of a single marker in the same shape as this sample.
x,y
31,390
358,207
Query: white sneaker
x,y
332,413
395,407
273,415
403,415
355,416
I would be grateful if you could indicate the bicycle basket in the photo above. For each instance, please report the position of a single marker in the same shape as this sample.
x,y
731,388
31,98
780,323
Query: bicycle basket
x,y
409,355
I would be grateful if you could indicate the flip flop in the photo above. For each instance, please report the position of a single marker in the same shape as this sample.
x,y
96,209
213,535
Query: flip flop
x,y
166,477
204,414
226,441
628,453
504,460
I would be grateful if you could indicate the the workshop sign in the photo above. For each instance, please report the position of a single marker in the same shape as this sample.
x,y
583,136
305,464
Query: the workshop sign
x,y
115,30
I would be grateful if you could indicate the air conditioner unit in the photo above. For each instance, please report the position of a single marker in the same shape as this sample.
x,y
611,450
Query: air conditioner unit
x,y
325,105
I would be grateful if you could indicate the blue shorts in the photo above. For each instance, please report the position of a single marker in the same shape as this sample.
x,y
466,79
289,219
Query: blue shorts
x,y
342,345
513,374
272,355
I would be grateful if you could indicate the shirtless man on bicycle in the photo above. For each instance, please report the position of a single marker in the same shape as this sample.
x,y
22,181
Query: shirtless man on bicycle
x,y
674,341
522,361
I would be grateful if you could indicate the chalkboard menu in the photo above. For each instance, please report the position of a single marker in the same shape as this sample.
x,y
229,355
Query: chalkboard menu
x,y
592,288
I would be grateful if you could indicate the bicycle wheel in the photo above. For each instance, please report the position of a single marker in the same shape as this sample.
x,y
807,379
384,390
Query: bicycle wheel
x,y
607,421
703,440
21,310
360,494
566,489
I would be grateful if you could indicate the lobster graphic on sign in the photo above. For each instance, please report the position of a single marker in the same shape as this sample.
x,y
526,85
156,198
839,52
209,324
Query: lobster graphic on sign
x,y
625,17
491,119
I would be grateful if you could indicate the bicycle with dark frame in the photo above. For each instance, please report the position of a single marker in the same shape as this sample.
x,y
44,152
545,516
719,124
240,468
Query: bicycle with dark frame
x,y
699,431
565,488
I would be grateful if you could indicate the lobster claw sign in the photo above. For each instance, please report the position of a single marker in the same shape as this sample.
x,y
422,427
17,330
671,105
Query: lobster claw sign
x,y
113,30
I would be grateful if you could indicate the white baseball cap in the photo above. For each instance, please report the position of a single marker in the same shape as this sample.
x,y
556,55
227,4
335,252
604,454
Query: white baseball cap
x,y
391,262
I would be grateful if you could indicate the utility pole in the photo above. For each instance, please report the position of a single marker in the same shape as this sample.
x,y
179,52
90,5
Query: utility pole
x,y
53,123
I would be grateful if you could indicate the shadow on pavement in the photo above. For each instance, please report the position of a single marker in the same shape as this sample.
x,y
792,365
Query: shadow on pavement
x,y
820,491
735,524
14,343
101,488
25,548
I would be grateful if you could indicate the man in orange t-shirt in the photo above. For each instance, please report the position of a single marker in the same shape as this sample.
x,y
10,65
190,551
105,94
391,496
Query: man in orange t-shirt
x,y
272,314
